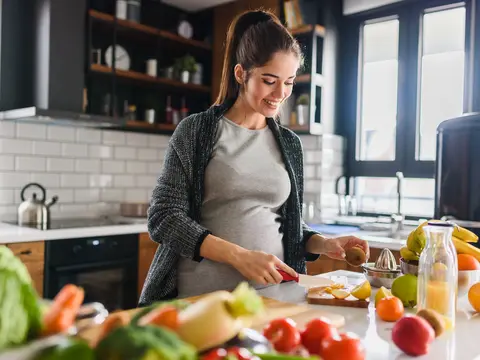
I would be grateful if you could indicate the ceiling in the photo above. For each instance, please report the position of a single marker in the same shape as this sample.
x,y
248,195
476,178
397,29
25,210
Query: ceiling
x,y
195,5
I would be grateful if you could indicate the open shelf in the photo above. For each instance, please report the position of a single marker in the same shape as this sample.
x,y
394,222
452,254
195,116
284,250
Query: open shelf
x,y
306,29
147,29
134,75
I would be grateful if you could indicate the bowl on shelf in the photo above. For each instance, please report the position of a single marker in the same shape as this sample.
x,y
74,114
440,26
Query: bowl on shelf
x,y
409,266
466,278
380,277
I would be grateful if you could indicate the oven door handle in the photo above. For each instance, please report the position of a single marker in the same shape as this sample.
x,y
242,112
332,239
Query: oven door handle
x,y
100,264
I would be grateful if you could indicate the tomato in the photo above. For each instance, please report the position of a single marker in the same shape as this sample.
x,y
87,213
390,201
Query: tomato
x,y
215,354
342,346
315,331
240,353
283,334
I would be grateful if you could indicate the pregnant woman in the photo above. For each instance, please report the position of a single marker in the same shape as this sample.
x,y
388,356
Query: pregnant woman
x,y
227,204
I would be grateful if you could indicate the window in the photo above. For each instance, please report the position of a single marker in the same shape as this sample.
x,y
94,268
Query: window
x,y
378,97
410,66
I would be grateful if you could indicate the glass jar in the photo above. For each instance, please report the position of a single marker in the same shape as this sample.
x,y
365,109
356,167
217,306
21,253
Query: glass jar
x,y
438,272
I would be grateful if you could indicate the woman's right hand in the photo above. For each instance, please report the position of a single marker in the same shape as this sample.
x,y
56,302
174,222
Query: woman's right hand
x,y
261,267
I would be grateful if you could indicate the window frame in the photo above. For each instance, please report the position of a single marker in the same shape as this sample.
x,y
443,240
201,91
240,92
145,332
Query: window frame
x,y
409,15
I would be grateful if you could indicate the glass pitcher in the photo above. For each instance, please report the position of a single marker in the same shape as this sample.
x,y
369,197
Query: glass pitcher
x,y
438,272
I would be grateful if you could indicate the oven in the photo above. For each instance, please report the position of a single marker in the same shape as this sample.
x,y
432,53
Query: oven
x,y
104,266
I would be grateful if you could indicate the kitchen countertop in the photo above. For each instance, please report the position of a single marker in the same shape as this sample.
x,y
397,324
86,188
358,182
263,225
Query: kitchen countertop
x,y
15,234
12,234
376,334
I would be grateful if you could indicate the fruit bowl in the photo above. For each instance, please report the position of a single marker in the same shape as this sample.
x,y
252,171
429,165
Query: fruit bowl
x,y
409,266
466,278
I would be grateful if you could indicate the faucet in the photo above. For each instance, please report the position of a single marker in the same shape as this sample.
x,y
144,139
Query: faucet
x,y
398,218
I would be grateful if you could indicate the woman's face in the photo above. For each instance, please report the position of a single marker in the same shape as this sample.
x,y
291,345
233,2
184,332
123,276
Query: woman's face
x,y
268,86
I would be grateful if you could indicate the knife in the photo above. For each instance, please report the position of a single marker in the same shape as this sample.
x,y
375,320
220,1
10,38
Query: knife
x,y
306,280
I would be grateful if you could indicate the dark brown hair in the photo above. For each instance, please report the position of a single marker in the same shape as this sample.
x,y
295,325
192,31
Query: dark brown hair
x,y
252,39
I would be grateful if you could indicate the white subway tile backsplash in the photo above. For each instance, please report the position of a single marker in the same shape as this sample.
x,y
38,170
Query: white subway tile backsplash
x,y
113,166
86,195
147,154
60,165
155,168
136,195
88,136
158,141
74,180
123,181
146,181
74,150
100,151
60,133
92,171
6,196
87,165
47,180
13,180
47,148
113,138
14,146
100,181
7,162
7,129
111,195
30,163
65,196
31,131
136,167
134,139
126,153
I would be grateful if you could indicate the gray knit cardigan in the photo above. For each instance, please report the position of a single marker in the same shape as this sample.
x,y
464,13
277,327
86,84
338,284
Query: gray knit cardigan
x,y
175,207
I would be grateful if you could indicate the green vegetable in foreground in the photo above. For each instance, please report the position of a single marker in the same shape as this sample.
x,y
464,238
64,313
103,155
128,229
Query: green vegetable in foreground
x,y
67,349
144,343
20,312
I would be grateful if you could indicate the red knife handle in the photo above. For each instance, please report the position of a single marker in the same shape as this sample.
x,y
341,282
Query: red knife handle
x,y
286,276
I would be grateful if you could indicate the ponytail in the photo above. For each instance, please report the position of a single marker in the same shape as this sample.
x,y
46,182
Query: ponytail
x,y
252,39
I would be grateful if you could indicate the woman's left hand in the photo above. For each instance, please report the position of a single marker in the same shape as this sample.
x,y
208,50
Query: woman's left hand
x,y
335,247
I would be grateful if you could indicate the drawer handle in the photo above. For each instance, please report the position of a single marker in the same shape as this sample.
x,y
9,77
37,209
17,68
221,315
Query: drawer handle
x,y
25,252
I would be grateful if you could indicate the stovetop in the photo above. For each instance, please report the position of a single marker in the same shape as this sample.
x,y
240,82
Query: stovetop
x,y
75,223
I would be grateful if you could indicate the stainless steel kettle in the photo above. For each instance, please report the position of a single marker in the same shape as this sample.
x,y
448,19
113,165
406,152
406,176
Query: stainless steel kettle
x,y
35,212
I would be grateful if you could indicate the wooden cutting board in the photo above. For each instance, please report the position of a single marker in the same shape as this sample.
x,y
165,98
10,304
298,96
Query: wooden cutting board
x,y
322,298
273,309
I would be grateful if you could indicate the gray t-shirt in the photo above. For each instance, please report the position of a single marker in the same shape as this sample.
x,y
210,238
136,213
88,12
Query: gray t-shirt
x,y
245,184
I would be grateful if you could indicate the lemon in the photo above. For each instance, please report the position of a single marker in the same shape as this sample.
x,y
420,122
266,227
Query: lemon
x,y
362,291
381,293
340,294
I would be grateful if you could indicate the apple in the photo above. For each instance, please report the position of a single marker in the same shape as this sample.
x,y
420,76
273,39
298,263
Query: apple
x,y
413,335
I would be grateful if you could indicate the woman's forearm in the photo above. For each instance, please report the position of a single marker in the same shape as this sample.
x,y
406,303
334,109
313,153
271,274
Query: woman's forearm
x,y
219,250
315,244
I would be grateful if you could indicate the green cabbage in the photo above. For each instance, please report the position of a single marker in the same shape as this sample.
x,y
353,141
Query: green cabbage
x,y
20,313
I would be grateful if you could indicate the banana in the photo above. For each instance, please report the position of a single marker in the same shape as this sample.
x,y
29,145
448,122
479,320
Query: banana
x,y
407,254
465,248
464,234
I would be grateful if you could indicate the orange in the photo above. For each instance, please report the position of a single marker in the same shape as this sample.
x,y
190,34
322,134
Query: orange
x,y
467,262
390,308
474,296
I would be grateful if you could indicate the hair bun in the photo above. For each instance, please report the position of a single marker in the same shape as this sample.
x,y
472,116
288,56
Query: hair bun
x,y
252,18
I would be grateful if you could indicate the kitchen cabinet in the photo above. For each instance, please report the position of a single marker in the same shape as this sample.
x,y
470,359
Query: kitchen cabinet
x,y
324,264
32,254
146,251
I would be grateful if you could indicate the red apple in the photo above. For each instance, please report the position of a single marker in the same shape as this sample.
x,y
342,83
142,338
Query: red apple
x,y
413,335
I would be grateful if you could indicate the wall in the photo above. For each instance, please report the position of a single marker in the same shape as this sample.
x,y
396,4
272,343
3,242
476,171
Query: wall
x,y
92,171
355,6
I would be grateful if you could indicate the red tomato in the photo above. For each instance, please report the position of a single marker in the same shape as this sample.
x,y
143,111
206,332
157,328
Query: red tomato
x,y
283,334
240,353
315,331
215,354
343,346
